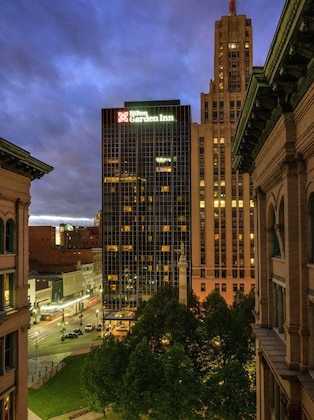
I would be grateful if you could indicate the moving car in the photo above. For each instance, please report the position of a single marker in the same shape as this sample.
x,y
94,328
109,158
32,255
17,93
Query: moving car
x,y
99,327
70,335
78,331
89,327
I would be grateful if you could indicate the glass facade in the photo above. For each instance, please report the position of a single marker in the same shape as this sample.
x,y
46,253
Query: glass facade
x,y
146,198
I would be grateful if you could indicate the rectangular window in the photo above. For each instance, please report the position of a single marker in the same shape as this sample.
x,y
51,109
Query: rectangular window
x,y
9,352
234,287
6,291
203,287
223,287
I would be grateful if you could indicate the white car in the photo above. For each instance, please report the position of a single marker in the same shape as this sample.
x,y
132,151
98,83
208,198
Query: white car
x,y
89,327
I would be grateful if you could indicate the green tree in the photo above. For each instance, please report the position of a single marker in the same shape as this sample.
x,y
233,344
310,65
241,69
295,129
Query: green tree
x,y
178,362
141,383
103,372
228,394
180,393
163,321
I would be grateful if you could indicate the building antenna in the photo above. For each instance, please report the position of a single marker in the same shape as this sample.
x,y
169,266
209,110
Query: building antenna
x,y
232,7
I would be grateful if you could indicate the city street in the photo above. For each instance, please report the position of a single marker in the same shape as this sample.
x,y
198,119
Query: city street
x,y
44,338
46,349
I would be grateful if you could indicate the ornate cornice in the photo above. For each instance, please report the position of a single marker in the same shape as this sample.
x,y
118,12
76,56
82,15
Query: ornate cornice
x,y
17,160
278,87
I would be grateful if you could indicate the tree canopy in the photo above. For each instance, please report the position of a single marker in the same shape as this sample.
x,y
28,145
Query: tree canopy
x,y
178,361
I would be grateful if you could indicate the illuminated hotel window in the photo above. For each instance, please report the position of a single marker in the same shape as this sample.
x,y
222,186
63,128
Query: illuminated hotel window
x,y
112,248
165,188
251,203
202,204
113,189
219,203
222,140
166,268
126,229
127,209
166,279
150,238
202,183
216,236
112,277
127,247
237,203
251,235
163,168
165,248
183,228
166,228
233,45
111,160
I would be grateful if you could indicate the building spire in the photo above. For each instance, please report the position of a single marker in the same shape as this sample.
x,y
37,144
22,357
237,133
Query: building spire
x,y
232,7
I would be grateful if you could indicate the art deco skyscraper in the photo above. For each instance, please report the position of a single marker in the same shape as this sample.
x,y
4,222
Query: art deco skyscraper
x,y
222,206
146,198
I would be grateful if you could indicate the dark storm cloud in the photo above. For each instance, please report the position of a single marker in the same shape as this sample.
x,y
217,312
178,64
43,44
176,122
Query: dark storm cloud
x,y
64,60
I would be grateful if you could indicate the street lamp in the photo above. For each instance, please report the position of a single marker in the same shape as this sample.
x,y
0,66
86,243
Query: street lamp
x,y
62,324
97,315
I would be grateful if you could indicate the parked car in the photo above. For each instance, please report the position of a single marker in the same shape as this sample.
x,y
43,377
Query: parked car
x,y
89,327
99,327
70,335
78,331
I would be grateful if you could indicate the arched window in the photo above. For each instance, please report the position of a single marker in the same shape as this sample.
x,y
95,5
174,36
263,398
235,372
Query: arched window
x,y
9,236
1,236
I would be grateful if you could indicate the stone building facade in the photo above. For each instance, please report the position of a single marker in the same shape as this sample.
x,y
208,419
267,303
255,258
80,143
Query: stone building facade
x,y
17,170
274,142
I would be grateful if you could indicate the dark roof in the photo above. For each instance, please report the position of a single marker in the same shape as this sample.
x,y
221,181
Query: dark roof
x,y
17,160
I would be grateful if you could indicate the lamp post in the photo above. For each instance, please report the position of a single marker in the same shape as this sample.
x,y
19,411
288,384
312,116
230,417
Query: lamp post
x,y
62,324
97,315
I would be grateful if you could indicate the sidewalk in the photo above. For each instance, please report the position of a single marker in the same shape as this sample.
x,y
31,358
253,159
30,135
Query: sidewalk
x,y
75,414
39,366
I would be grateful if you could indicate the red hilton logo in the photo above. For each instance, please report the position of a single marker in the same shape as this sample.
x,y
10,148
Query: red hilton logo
x,y
123,117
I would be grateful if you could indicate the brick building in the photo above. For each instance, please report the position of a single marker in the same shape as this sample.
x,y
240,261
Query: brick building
x,y
45,256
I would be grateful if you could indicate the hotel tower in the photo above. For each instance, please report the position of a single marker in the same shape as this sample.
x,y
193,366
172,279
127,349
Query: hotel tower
x,y
146,199
221,201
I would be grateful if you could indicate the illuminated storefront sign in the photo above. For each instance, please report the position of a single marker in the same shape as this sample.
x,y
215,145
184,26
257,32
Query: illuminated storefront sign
x,y
125,117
